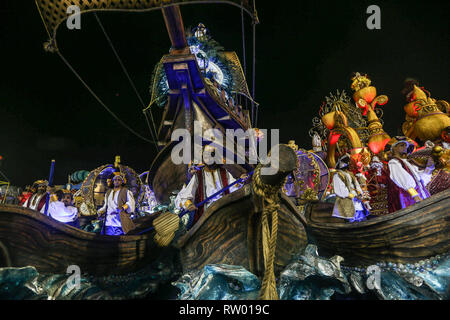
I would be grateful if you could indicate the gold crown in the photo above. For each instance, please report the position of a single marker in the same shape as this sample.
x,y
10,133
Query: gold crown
x,y
122,176
360,81
41,182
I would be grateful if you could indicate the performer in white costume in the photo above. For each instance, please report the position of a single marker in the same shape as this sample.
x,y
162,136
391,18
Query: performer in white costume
x,y
62,209
406,183
348,192
119,204
206,181
39,198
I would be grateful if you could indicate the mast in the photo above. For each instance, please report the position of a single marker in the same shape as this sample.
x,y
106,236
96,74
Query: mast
x,y
175,28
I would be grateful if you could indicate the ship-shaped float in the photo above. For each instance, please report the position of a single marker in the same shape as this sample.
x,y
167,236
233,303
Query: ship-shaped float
x,y
263,225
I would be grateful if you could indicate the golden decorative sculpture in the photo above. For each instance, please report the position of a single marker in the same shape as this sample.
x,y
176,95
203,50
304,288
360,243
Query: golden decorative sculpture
x,y
366,98
342,137
424,117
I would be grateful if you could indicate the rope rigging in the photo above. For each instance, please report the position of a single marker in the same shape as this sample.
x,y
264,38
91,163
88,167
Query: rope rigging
x,y
254,117
87,86
100,101
151,128
244,58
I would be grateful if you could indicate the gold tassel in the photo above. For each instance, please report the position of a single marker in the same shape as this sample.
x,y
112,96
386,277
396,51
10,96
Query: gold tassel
x,y
165,226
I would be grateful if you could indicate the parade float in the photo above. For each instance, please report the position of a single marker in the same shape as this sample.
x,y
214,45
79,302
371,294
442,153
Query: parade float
x,y
196,81
265,225
407,236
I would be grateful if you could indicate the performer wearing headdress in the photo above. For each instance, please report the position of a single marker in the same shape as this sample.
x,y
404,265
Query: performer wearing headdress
x,y
62,209
206,181
39,198
406,183
119,203
317,146
348,192
378,177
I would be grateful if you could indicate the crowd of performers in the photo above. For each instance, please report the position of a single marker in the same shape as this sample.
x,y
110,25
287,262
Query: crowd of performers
x,y
119,206
403,181
404,172
59,204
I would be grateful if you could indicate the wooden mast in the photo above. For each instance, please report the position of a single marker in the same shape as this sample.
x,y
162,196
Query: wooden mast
x,y
175,28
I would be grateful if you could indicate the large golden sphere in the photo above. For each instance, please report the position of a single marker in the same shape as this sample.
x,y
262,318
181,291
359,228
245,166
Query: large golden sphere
x,y
431,126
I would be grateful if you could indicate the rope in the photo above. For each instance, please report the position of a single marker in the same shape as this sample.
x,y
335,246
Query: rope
x,y
99,100
243,41
85,84
42,18
244,53
125,71
254,76
269,235
150,128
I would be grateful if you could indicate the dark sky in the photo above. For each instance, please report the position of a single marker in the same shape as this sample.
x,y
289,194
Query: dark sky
x,y
305,49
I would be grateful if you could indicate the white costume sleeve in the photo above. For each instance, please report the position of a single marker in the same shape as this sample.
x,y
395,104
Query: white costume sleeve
x,y
400,176
105,202
52,208
131,203
339,187
177,201
425,175
231,179
188,192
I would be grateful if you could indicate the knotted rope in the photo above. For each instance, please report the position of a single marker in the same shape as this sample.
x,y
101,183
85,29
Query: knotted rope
x,y
271,206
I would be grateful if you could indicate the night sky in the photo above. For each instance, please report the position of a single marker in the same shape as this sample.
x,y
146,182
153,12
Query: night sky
x,y
305,50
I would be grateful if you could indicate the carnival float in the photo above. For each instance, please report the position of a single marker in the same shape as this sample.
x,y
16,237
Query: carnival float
x,y
270,220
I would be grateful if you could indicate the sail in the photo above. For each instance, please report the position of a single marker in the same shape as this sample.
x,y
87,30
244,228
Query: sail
x,y
55,12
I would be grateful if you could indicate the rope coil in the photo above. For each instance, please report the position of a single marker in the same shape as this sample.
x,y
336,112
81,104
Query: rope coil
x,y
271,205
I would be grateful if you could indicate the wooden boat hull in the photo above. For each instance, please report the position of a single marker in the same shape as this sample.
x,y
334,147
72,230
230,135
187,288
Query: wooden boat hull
x,y
229,232
28,238
407,236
